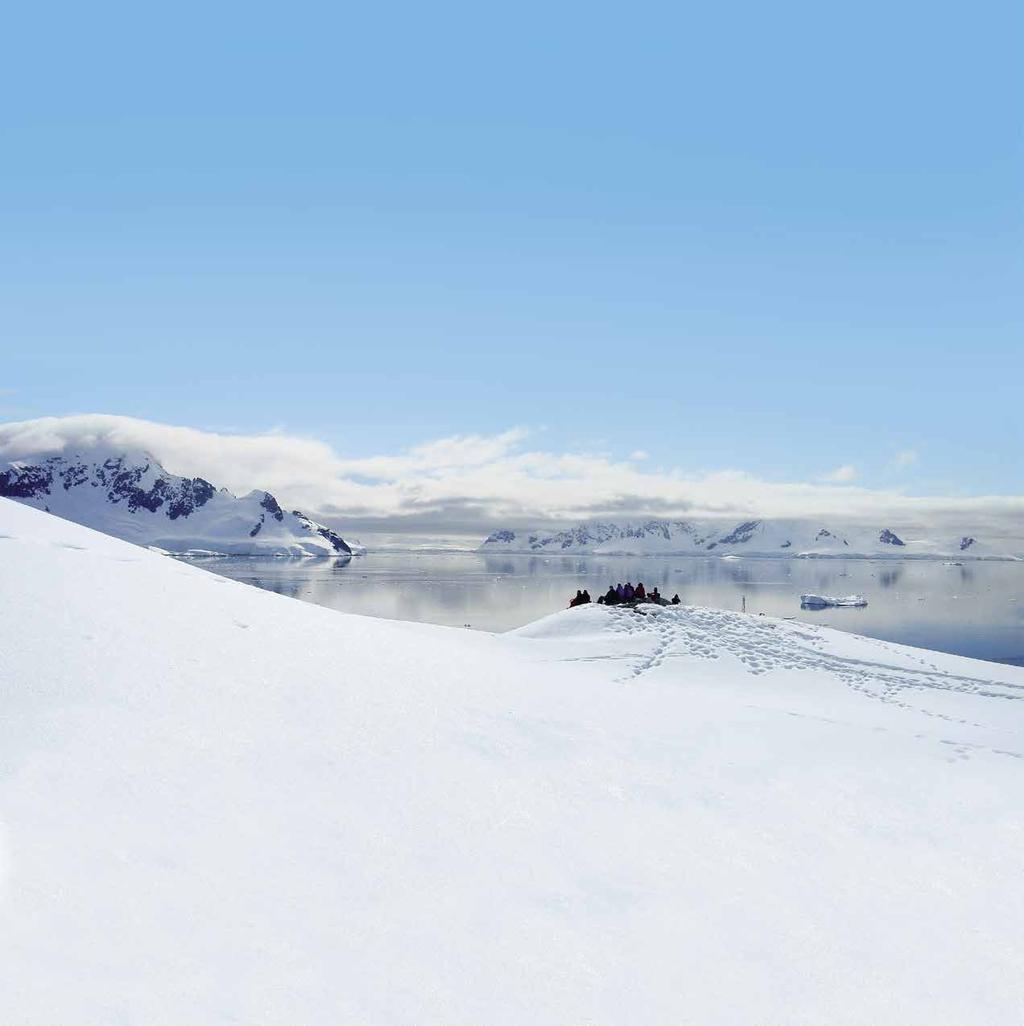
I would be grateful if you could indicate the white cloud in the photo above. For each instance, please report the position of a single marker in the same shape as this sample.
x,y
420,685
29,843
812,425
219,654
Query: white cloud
x,y
474,482
903,459
847,472
238,462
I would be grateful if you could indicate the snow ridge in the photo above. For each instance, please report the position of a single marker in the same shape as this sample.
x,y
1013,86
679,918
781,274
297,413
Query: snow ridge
x,y
779,538
131,496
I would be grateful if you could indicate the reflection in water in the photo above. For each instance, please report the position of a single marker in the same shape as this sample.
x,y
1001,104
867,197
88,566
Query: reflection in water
x,y
976,609
890,576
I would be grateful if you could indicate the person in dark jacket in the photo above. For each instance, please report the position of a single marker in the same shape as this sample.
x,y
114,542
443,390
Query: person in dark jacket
x,y
620,591
655,596
585,598
641,592
675,599
611,597
577,601
628,592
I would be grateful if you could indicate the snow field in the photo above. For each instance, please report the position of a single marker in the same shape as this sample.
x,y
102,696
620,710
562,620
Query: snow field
x,y
218,805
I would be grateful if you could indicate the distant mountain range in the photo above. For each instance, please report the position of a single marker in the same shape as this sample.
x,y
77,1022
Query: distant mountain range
x,y
131,496
779,538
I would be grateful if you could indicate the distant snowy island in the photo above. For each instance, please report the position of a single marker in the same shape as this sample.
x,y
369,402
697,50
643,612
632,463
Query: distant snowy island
x,y
776,538
130,495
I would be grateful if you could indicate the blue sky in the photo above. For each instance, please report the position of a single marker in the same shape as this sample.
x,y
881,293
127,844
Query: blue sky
x,y
780,239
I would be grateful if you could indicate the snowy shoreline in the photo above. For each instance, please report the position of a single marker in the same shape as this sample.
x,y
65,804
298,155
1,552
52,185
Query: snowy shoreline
x,y
879,557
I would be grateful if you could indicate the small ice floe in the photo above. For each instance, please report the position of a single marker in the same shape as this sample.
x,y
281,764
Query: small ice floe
x,y
827,601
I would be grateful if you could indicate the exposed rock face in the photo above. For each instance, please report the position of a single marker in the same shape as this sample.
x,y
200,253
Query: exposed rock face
x,y
121,482
269,503
26,483
741,534
888,538
335,540
501,536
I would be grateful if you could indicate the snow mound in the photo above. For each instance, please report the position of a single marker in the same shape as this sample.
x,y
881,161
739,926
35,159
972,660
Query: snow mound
x,y
221,805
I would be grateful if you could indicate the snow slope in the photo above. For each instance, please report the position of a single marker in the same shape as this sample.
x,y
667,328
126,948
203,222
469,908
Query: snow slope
x,y
130,496
750,538
219,805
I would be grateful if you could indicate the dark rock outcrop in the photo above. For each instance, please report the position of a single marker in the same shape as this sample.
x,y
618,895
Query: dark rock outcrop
x,y
888,538
337,542
741,534
502,536
122,482
269,503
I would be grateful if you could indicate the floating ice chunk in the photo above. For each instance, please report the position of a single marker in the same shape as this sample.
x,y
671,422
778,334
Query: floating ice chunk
x,y
824,601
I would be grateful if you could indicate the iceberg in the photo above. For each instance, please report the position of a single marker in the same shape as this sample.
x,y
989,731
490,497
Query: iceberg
x,y
826,601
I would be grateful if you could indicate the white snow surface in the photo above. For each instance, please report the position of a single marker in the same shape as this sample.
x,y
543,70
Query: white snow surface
x,y
219,805
131,496
777,538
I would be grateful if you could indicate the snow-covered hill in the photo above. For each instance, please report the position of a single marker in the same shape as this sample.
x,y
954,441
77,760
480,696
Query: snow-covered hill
x,y
750,538
130,496
221,805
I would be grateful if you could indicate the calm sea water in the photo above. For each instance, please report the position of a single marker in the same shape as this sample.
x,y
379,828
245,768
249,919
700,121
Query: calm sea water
x,y
976,609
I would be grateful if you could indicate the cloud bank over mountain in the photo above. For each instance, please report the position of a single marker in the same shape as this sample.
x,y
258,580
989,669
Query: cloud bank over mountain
x,y
472,483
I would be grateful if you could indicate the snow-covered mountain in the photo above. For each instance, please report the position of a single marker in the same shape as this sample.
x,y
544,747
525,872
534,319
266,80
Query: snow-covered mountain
x,y
130,496
749,538
221,805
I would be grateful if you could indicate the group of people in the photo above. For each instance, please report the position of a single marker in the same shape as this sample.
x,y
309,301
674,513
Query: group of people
x,y
625,594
